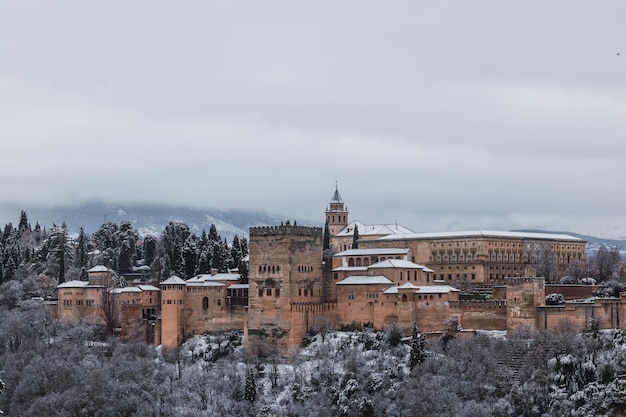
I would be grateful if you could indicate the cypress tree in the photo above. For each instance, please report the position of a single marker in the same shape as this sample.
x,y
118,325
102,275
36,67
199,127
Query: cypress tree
x,y
355,237
418,347
326,236
250,390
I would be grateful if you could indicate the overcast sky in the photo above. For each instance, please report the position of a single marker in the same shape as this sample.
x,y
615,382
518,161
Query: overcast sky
x,y
437,115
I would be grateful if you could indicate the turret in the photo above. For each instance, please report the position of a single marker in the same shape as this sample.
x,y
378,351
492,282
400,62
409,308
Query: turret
x,y
336,214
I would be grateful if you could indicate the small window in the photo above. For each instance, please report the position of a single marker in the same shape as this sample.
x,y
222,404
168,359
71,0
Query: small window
x,y
205,303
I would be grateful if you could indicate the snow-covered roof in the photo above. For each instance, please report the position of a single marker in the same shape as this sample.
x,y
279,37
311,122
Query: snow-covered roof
x,y
481,233
190,283
336,198
125,289
350,268
173,280
374,229
99,268
73,284
142,268
239,287
425,289
148,288
216,277
365,280
399,263
373,251
434,289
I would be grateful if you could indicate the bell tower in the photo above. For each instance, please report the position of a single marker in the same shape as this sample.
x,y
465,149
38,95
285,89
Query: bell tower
x,y
336,213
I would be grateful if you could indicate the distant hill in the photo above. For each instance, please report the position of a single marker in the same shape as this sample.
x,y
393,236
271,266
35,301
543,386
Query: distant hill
x,y
592,241
152,219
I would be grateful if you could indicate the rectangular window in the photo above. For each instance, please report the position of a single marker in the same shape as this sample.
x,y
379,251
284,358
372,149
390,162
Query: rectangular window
x,y
260,292
268,292
277,292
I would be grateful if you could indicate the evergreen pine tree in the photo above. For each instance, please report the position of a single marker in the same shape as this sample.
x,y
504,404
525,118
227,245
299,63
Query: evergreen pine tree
x,y
213,235
418,347
243,271
355,237
244,247
37,233
217,258
250,389
23,226
235,252
80,259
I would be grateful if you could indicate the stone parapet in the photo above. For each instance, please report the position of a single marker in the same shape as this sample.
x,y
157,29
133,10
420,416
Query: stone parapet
x,y
285,230
477,304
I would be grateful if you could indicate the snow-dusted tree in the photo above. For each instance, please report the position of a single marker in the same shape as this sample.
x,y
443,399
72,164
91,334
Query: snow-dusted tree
x,y
545,264
417,354
394,334
1,389
578,270
108,309
81,259
189,257
213,235
250,389
604,261
23,226
174,237
149,249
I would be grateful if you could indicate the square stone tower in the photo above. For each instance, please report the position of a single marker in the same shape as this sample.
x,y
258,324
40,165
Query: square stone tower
x,y
285,278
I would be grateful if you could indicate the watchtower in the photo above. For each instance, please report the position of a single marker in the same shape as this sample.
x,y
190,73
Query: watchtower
x,y
285,270
172,311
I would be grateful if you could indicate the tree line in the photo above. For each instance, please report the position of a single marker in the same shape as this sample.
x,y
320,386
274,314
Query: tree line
x,y
51,254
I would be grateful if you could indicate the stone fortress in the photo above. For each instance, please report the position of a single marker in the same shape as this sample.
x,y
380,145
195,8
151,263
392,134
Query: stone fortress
x,y
442,281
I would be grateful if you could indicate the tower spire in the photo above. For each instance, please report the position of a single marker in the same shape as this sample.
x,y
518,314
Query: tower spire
x,y
336,198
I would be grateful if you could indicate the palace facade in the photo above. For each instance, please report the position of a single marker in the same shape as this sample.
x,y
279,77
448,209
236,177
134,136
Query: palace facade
x,y
442,281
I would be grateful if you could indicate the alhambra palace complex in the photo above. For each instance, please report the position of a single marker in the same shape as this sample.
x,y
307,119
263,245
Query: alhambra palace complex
x,y
395,275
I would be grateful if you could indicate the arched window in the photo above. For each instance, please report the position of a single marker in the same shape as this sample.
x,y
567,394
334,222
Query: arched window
x,y
351,262
404,298
205,303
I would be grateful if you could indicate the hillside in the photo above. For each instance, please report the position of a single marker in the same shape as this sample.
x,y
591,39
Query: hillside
x,y
592,241
150,219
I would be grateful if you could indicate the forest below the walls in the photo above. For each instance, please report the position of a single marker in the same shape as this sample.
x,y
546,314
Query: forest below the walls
x,y
65,369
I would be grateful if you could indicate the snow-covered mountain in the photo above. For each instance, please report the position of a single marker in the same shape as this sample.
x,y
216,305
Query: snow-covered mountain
x,y
152,219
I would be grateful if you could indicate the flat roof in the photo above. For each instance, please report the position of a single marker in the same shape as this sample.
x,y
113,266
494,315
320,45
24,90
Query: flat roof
x,y
373,251
365,280
482,233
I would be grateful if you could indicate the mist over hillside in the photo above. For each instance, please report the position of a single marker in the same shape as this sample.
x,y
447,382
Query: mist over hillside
x,y
151,219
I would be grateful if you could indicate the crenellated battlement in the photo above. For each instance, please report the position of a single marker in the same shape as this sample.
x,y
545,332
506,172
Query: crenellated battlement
x,y
522,280
477,304
285,231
